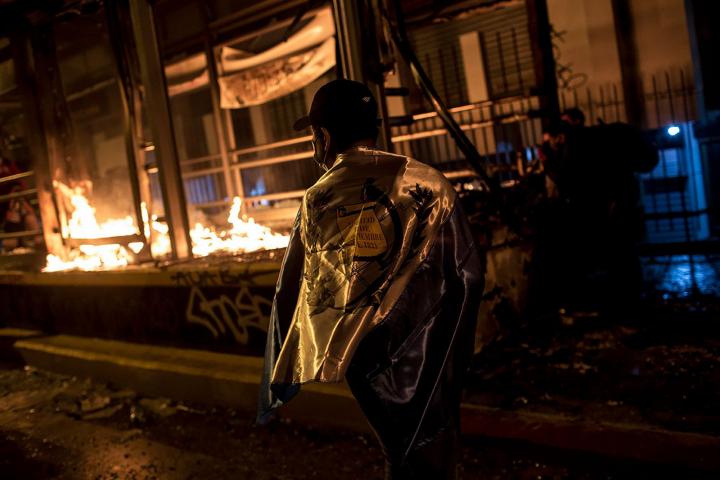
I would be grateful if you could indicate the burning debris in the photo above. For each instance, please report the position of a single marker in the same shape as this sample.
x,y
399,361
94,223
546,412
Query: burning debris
x,y
244,235
83,225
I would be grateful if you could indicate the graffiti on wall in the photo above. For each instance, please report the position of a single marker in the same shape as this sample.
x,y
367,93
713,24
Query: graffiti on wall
x,y
229,312
226,317
215,278
568,79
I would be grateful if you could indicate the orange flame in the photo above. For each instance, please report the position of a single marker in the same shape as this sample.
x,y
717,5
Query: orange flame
x,y
244,236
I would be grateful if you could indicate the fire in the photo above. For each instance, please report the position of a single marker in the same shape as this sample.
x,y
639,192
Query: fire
x,y
160,246
91,257
83,224
244,235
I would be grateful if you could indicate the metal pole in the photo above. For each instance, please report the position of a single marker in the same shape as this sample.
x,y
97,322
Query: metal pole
x,y
543,59
27,80
423,81
220,126
357,51
153,78
347,26
629,67
125,88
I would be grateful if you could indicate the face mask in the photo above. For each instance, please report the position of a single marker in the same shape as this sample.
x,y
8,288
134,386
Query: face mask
x,y
320,150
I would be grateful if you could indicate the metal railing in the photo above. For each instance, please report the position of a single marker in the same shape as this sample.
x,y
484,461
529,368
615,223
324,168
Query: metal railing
x,y
669,98
503,129
6,198
499,130
206,186
672,194
505,134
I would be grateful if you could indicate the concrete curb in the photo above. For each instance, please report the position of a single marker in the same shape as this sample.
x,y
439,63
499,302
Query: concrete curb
x,y
186,374
628,441
232,380
8,337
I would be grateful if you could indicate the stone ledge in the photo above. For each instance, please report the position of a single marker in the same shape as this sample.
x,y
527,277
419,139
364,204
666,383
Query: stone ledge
x,y
8,337
186,374
232,380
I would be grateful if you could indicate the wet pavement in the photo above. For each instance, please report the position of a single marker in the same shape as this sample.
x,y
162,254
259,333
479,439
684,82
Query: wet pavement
x,y
684,276
656,371
54,426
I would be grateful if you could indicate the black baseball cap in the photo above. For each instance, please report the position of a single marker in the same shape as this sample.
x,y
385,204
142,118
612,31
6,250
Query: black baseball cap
x,y
341,104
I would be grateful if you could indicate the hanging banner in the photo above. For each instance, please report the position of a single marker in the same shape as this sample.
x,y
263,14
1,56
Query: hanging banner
x,y
278,78
318,30
248,80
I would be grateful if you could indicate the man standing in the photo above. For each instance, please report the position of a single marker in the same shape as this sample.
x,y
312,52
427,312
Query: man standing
x,y
380,285
589,250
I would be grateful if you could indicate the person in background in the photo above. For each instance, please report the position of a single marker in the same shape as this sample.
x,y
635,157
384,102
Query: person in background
x,y
16,214
596,222
380,285
7,169
573,116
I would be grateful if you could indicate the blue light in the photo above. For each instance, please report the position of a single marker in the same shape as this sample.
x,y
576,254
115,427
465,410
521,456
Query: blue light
x,y
673,130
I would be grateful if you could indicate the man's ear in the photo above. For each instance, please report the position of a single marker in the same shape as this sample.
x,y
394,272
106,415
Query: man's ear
x,y
326,135
328,142
328,147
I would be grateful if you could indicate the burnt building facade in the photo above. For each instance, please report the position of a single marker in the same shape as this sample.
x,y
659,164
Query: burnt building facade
x,y
152,142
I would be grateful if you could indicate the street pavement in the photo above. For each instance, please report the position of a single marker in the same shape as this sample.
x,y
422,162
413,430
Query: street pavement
x,y
55,426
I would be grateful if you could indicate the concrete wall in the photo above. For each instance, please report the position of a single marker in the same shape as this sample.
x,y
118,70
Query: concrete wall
x,y
589,45
662,38
224,309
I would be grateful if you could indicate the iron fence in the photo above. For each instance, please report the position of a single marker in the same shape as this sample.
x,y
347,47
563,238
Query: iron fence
x,y
506,133
14,238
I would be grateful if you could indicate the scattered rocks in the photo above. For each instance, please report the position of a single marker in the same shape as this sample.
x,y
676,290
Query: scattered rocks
x,y
124,394
185,408
137,415
130,435
158,406
67,404
643,365
104,413
94,402
583,368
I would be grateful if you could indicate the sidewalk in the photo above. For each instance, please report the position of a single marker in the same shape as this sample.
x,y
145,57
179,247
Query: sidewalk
x,y
231,381
55,426
663,372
